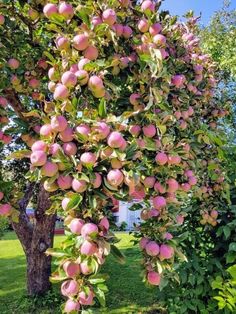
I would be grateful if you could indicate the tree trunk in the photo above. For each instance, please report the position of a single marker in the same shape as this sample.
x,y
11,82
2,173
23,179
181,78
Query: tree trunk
x,y
38,264
35,239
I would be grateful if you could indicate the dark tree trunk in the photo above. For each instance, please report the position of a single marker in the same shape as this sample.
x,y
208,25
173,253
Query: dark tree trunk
x,y
36,238
38,264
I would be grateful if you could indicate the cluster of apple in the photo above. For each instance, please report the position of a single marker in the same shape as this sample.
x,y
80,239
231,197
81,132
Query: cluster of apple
x,y
5,208
4,138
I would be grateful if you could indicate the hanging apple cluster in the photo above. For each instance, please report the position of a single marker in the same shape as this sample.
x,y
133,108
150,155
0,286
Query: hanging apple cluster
x,y
132,115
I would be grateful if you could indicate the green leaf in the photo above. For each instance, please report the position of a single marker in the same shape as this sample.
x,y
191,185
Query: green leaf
x,y
84,13
159,267
79,241
92,202
20,154
150,144
230,257
227,232
164,282
232,271
100,296
98,278
84,177
102,109
74,202
74,102
100,194
49,56
181,255
110,187
136,206
130,150
191,279
102,287
217,283
55,252
117,254
87,312
162,129
56,279
232,246
221,303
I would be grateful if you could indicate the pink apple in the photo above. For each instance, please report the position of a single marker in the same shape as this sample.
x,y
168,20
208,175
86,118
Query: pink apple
x,y
13,64
154,278
70,148
155,29
148,5
159,202
39,145
64,182
61,92
50,10
109,17
152,248
88,159
161,158
66,10
50,169
69,79
88,248
81,42
88,230
69,288
71,306
76,225
166,252
91,53
79,185
38,158
59,123
82,77
115,177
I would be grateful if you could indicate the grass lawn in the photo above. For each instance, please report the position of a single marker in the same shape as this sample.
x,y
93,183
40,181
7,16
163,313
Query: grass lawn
x,y
127,292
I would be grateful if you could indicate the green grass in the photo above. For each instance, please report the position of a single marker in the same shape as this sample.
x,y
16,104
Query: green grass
x,y
127,292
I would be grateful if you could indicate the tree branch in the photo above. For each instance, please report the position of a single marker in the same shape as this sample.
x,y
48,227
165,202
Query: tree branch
x,y
43,203
26,21
40,241
23,203
24,228
15,103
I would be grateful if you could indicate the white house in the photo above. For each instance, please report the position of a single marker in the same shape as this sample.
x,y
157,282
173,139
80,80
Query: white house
x,y
126,215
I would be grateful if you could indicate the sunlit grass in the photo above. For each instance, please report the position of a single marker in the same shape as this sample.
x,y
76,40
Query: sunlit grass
x,y
127,292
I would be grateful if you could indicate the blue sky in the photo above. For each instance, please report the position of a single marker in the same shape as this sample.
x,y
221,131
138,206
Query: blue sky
x,y
207,7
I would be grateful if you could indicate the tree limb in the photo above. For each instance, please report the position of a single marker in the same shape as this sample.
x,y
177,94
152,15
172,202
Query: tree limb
x,y
28,194
24,228
43,203
15,103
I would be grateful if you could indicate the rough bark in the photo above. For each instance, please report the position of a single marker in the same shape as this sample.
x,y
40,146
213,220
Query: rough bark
x,y
15,103
36,238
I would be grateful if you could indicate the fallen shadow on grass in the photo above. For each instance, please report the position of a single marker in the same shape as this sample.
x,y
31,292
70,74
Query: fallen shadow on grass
x,y
127,293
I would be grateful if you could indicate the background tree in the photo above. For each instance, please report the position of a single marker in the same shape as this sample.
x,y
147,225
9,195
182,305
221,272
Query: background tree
x,y
23,68
209,257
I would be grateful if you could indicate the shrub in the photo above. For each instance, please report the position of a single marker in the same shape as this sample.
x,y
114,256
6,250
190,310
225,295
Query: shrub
x,y
4,225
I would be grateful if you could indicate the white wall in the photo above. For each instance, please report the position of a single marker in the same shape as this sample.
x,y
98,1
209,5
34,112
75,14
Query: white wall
x,y
124,214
